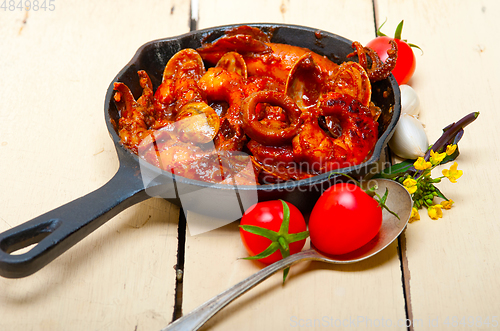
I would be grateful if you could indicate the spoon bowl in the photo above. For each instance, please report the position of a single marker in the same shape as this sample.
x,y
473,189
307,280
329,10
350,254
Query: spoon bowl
x,y
399,201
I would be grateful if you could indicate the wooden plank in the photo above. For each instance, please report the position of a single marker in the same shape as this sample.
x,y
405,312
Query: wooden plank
x,y
352,20
453,261
315,295
54,146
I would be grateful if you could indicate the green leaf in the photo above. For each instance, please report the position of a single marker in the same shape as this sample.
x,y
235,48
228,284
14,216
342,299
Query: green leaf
x,y
395,170
381,202
286,219
379,33
452,157
283,243
269,234
265,253
293,237
399,29
285,254
440,194
347,176
285,274
384,198
415,46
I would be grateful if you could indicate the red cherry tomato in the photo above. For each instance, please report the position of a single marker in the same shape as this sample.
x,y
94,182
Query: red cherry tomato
x,y
344,219
269,215
405,63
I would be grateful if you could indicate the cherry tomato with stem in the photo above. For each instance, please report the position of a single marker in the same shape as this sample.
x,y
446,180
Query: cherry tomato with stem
x,y
406,62
272,230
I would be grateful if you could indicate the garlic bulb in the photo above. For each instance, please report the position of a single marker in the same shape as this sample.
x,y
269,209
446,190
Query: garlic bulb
x,y
409,140
410,104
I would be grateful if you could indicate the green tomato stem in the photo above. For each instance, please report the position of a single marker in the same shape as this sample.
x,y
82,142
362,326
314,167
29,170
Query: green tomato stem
x,y
283,243
399,30
380,33
280,240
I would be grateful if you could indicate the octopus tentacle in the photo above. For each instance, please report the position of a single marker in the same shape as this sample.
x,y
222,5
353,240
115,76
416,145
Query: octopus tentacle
x,y
265,134
358,135
378,70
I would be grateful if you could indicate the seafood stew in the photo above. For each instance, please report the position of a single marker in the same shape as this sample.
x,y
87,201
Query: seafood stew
x,y
241,91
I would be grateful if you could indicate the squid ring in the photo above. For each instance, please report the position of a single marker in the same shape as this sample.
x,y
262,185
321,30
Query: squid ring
x,y
266,135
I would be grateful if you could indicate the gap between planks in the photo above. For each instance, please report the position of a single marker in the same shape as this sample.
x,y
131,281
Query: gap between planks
x,y
182,227
405,278
403,262
179,270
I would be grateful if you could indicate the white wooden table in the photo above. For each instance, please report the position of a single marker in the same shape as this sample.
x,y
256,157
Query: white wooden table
x,y
55,68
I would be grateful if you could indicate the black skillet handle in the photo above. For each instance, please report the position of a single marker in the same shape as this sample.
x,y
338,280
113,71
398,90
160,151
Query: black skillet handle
x,y
56,231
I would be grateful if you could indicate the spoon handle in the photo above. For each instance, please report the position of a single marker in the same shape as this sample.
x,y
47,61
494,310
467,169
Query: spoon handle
x,y
195,319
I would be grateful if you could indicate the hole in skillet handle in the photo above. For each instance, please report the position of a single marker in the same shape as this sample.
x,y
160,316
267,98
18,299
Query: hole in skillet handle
x,y
28,237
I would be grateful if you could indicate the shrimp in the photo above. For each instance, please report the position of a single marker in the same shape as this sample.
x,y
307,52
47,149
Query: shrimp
x,y
135,116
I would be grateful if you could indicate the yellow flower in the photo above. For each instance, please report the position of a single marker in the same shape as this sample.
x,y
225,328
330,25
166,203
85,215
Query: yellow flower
x,y
447,204
436,158
453,174
415,216
410,184
435,212
450,149
421,164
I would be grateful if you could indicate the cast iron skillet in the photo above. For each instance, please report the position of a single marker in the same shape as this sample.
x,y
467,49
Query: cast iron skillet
x,y
135,181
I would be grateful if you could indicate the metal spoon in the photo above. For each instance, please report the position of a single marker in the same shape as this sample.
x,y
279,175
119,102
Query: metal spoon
x,y
399,201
